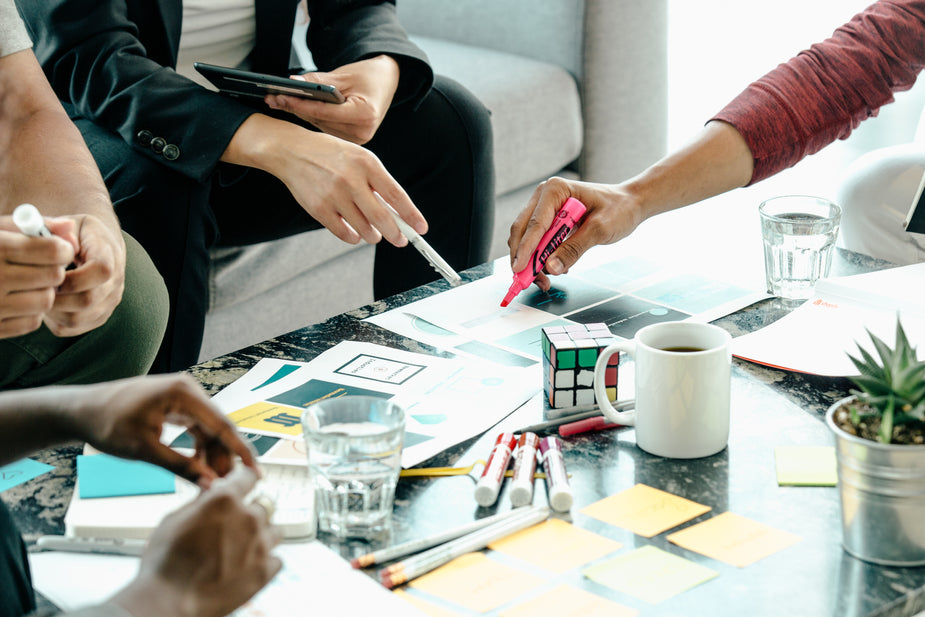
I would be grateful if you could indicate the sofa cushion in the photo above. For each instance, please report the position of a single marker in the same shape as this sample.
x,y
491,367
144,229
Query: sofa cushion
x,y
535,108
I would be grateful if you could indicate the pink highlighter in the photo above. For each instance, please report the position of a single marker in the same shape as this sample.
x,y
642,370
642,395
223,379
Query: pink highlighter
x,y
566,220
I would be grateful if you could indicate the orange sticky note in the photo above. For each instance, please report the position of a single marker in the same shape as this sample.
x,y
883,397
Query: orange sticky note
x,y
733,539
476,582
567,601
645,510
428,608
556,545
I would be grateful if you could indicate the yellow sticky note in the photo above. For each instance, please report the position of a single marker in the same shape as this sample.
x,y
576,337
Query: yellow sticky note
x,y
556,545
645,510
428,608
567,601
476,582
806,465
269,417
733,539
650,574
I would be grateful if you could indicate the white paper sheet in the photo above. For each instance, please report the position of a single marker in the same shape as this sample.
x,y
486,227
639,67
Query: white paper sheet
x,y
625,292
447,400
313,576
817,336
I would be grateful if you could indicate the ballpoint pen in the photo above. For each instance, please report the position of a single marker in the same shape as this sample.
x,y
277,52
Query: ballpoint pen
x,y
101,546
432,256
593,412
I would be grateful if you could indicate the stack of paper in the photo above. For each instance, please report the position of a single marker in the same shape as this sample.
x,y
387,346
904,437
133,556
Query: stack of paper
x,y
818,336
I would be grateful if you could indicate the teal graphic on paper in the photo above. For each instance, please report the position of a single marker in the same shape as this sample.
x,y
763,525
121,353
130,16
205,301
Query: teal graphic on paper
x,y
21,471
102,475
283,371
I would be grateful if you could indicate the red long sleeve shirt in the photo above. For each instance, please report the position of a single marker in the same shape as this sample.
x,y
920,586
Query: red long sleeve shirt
x,y
825,92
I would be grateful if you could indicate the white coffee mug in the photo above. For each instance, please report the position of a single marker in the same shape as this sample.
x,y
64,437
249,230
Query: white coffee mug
x,y
682,388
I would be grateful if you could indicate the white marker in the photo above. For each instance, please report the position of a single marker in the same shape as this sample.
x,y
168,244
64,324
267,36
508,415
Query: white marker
x,y
30,221
524,468
432,256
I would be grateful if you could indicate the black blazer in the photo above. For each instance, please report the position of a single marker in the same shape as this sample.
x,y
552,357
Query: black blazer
x,y
112,61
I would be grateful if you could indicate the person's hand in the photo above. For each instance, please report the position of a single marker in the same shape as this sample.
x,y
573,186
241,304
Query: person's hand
x,y
207,558
31,270
93,288
368,87
332,179
125,418
613,213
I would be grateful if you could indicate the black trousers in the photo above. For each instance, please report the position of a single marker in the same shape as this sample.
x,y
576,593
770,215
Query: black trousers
x,y
16,595
439,151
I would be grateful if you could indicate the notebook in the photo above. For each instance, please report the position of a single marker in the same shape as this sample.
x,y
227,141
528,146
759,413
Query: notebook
x,y
136,516
915,219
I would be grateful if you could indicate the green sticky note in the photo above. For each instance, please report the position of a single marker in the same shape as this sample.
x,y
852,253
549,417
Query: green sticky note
x,y
650,574
805,465
102,475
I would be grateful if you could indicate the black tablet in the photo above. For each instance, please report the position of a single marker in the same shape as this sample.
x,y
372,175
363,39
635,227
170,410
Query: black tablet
x,y
244,83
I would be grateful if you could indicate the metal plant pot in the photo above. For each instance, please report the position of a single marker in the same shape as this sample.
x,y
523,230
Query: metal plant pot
x,y
882,490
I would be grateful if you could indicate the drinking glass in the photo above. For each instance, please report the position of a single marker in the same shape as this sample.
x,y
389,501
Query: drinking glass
x,y
354,446
799,234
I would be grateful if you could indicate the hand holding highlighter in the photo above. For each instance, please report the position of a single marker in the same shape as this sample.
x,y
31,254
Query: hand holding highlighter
x,y
566,220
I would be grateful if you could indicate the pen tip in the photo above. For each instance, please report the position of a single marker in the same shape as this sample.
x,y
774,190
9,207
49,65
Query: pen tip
x,y
505,303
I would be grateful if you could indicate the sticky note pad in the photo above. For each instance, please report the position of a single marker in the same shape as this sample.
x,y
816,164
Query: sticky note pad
x,y
556,545
426,607
650,574
21,471
806,465
733,539
102,475
476,582
567,601
645,510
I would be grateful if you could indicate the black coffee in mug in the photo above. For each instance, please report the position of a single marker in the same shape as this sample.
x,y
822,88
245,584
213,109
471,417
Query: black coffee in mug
x,y
682,349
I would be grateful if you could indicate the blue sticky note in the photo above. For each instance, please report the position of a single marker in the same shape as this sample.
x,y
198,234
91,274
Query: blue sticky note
x,y
102,475
21,471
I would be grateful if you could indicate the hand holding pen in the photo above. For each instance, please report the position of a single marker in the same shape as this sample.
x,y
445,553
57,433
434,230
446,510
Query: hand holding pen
x,y
433,258
32,268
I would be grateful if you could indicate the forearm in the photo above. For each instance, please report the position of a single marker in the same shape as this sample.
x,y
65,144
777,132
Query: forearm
x,y
826,91
34,419
46,161
716,161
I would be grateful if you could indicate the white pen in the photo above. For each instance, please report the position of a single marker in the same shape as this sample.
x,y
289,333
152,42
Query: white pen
x,y
30,221
102,546
432,256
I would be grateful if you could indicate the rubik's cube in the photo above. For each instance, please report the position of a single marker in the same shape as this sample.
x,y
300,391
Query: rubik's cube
x,y
569,355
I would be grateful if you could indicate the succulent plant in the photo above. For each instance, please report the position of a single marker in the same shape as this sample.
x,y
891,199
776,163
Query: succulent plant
x,y
893,388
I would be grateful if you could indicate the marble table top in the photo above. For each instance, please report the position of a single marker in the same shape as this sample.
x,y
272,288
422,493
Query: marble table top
x,y
769,408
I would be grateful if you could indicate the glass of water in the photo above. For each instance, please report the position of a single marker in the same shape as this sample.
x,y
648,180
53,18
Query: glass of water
x,y
354,446
799,234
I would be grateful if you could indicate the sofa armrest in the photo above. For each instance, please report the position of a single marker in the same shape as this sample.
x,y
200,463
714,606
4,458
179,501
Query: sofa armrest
x,y
616,50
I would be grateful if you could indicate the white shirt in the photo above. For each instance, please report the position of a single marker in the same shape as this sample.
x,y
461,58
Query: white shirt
x,y
220,32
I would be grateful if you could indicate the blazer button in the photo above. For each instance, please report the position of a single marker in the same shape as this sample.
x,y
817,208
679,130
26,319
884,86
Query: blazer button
x,y
144,138
171,152
158,144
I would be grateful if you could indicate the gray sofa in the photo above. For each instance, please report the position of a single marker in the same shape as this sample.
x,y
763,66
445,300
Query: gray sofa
x,y
575,87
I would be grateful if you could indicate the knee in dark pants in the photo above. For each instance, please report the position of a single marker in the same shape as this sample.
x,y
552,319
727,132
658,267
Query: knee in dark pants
x,y
441,153
170,216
